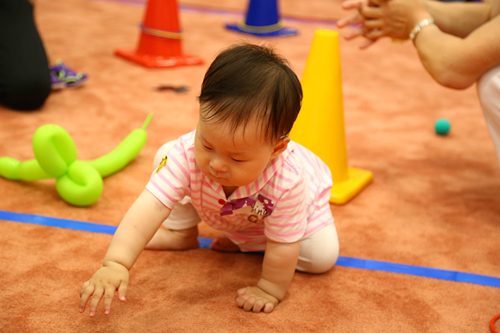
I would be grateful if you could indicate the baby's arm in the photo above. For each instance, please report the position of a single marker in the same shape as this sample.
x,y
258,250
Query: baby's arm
x,y
135,230
278,268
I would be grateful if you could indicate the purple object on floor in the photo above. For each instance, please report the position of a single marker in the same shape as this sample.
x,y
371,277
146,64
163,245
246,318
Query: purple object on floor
x,y
62,76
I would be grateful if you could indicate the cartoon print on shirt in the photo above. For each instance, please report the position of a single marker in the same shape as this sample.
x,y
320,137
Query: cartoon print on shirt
x,y
162,164
255,209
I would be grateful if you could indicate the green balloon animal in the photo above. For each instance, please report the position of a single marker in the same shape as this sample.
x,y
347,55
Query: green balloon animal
x,y
77,182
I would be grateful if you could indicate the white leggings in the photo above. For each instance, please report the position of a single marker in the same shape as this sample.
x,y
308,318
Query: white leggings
x,y
318,252
488,89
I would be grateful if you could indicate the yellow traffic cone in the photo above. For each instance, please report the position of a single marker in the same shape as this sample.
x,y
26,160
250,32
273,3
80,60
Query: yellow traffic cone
x,y
320,124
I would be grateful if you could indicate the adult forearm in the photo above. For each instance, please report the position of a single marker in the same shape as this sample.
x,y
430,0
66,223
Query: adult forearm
x,y
459,62
278,268
443,56
458,19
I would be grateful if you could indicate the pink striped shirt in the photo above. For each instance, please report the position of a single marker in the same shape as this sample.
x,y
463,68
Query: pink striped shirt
x,y
288,202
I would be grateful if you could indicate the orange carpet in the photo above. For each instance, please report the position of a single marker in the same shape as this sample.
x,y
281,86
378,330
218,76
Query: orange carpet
x,y
434,202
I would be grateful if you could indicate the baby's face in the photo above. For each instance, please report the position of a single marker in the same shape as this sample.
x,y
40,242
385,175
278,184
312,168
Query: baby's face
x,y
231,158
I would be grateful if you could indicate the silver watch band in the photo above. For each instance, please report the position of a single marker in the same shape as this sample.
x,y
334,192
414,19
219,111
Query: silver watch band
x,y
416,29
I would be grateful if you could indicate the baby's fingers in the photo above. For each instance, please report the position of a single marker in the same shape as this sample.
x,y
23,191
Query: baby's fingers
x,y
243,300
269,307
241,291
109,293
85,292
248,305
122,290
96,298
255,305
258,306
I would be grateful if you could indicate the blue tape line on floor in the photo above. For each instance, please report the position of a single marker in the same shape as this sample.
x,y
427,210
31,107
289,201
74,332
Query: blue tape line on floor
x,y
428,272
59,223
374,265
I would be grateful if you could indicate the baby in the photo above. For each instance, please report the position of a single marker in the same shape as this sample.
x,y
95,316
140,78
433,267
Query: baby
x,y
241,174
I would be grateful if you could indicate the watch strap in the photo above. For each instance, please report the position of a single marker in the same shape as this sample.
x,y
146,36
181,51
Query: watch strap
x,y
419,26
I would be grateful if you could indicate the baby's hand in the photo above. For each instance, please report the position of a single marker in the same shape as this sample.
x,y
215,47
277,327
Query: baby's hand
x,y
256,300
104,282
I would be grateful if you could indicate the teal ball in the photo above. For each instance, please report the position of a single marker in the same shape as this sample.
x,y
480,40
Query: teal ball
x,y
442,126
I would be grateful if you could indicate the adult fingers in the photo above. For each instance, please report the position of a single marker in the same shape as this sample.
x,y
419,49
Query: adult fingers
x,y
353,19
351,34
369,12
367,43
373,24
353,4
374,34
378,2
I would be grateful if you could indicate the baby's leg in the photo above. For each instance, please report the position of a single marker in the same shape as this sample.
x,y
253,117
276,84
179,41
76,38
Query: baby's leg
x,y
319,251
224,244
182,229
182,223
166,239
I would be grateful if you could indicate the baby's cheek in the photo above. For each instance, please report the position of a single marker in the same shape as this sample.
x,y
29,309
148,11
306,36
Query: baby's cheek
x,y
244,176
236,177
201,160
204,168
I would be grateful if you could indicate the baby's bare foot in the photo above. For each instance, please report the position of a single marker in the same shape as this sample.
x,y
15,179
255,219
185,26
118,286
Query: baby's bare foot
x,y
223,244
165,239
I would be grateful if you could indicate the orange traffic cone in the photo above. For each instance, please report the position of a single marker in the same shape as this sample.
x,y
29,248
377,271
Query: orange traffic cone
x,y
160,44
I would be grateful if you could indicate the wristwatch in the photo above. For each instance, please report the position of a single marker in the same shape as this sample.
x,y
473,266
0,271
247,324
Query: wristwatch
x,y
416,29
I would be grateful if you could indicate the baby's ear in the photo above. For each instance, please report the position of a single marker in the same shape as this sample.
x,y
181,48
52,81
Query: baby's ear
x,y
280,147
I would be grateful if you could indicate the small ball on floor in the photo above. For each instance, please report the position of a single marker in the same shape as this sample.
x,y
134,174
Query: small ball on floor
x,y
442,126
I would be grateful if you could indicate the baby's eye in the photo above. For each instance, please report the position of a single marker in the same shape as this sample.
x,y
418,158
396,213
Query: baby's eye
x,y
207,148
237,160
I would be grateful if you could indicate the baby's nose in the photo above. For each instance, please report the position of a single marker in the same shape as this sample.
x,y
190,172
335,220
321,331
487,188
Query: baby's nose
x,y
217,165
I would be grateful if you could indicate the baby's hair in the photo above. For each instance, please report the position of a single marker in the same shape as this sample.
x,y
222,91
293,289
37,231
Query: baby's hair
x,y
247,82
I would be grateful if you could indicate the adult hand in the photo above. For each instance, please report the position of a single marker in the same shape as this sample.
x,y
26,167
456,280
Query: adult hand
x,y
104,283
379,18
395,18
364,8
355,18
